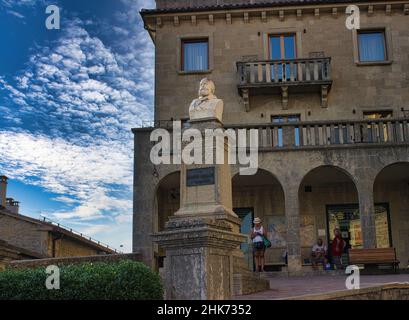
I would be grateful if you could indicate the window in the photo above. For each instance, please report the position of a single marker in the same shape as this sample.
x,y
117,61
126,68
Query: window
x,y
371,46
377,115
195,55
347,218
287,119
282,47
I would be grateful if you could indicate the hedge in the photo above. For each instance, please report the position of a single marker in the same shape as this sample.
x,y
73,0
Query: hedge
x,y
123,280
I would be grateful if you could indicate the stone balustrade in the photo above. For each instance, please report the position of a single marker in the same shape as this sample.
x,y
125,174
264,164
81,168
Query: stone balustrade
x,y
284,77
323,134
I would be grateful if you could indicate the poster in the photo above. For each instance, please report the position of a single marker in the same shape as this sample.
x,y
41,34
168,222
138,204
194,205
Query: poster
x,y
277,232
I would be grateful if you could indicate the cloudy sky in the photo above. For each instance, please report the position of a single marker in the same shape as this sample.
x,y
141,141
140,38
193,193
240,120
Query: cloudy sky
x,y
68,101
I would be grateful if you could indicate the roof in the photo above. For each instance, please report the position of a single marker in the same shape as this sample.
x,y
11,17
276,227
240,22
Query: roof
x,y
49,226
246,5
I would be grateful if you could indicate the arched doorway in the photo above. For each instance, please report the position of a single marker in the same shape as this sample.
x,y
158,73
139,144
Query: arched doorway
x,y
261,195
167,200
391,198
328,199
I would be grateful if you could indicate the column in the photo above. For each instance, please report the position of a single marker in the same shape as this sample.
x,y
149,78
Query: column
x,y
292,216
367,213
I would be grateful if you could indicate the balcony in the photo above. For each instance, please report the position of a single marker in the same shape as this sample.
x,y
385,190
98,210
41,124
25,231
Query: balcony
x,y
314,135
284,77
329,134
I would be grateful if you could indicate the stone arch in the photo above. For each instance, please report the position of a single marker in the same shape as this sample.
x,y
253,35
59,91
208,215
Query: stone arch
x,y
166,203
391,202
167,198
260,195
328,198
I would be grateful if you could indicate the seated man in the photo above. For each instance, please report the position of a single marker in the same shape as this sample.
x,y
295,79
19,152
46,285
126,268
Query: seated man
x,y
319,254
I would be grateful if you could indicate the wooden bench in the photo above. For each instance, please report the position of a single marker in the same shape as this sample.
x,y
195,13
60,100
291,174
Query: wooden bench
x,y
379,256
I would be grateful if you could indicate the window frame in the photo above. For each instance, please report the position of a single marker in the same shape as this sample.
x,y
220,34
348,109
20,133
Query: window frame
x,y
180,39
182,55
385,49
386,30
282,44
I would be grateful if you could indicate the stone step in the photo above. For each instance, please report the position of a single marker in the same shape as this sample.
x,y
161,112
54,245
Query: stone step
x,y
302,273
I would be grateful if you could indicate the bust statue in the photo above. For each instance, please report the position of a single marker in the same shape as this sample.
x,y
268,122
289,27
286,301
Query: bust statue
x,y
207,105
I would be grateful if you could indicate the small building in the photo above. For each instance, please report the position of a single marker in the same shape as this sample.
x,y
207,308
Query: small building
x,y
23,237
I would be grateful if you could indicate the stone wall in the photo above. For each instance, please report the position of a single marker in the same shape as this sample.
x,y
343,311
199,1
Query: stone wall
x,y
24,234
393,291
70,248
355,88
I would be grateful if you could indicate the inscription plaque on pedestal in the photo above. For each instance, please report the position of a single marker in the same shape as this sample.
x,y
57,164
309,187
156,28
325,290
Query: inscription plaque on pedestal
x,y
200,177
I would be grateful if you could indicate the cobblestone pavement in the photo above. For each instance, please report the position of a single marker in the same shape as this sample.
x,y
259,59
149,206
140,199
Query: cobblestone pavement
x,y
284,287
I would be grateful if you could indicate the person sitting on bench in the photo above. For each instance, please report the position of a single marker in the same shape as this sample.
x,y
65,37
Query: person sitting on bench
x,y
319,254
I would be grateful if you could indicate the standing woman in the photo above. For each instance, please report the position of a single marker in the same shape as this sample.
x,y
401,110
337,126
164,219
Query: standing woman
x,y
258,244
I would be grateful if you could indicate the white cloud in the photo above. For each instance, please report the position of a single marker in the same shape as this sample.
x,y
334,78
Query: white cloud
x,y
16,14
77,101
83,173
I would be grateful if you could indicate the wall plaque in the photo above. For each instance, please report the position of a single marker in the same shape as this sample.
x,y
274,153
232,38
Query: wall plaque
x,y
200,177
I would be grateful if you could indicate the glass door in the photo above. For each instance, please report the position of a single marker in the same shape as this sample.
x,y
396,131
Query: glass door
x,y
246,216
282,47
347,219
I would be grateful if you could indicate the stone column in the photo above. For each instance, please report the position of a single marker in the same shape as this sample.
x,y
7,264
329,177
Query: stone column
x,y
292,216
202,238
367,213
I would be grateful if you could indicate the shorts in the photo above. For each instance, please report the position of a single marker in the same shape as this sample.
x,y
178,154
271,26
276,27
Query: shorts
x,y
259,247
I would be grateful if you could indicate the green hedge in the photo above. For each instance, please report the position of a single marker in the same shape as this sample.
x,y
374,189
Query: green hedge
x,y
123,280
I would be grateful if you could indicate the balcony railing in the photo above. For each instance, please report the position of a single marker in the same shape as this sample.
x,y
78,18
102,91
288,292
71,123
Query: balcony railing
x,y
321,134
284,76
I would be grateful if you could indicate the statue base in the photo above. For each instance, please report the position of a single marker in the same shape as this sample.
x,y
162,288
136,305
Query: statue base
x,y
199,258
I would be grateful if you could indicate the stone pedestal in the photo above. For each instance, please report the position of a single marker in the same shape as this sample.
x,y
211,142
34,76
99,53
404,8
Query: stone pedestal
x,y
202,239
199,258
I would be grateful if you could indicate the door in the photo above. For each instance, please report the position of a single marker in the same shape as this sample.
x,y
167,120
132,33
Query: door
x,y
347,219
246,216
282,47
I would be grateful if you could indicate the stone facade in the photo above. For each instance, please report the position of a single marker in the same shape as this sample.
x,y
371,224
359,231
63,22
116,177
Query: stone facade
x,y
359,172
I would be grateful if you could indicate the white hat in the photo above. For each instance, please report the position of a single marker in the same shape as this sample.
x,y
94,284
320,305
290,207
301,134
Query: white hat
x,y
257,220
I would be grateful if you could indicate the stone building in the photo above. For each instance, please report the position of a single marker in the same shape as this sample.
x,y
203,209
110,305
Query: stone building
x,y
23,237
331,106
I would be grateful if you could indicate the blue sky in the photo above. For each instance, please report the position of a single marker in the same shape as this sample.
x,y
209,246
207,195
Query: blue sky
x,y
68,99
